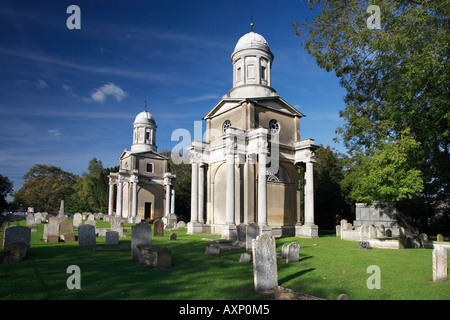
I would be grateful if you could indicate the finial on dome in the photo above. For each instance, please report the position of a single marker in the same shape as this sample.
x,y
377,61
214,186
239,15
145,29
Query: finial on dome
x,y
145,106
251,25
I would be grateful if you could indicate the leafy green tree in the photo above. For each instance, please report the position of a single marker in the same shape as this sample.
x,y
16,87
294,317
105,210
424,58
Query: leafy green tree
x,y
44,187
330,201
397,119
6,187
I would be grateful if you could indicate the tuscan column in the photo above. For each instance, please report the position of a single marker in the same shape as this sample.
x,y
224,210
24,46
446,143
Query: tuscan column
x,y
194,193
229,216
134,197
201,194
168,196
119,197
110,198
262,190
309,194
172,201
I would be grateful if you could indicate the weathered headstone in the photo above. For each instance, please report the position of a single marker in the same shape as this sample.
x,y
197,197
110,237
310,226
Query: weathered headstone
x,y
293,252
137,219
241,234
86,235
212,250
91,217
364,245
440,238
158,228
251,232
17,234
38,218
14,252
245,258
66,231
116,224
440,264
181,224
53,230
77,219
111,238
30,219
338,231
264,263
61,207
381,233
372,232
173,236
284,250
141,235
154,256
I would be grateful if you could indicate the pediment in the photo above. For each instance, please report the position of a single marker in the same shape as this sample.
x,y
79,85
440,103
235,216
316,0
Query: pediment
x,y
275,103
145,154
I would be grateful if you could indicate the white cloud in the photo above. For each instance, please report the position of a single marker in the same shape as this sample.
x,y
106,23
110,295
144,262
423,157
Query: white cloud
x,y
54,134
203,97
41,84
110,89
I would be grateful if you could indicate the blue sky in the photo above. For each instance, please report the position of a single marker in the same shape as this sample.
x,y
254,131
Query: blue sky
x,y
67,96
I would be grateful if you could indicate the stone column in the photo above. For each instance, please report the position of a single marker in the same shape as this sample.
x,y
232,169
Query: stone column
x,y
172,201
201,194
134,197
119,197
309,194
262,190
110,199
194,193
230,201
168,196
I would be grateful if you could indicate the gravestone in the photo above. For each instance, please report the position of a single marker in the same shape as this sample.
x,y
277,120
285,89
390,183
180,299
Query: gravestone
x,y
245,258
154,256
91,217
116,224
66,231
212,250
173,236
38,218
338,231
86,235
181,224
17,234
364,245
440,238
293,252
141,235
364,232
264,262
372,232
77,220
284,250
440,264
137,219
381,233
251,232
30,219
241,234
158,228
111,238
14,252
53,230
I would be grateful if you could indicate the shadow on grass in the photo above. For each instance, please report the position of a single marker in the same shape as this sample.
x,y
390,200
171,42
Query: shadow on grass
x,y
295,275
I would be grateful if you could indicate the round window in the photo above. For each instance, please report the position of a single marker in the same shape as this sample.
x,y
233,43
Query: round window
x,y
274,126
226,125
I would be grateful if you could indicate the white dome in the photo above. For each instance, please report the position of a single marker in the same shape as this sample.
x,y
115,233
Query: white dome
x,y
144,117
252,40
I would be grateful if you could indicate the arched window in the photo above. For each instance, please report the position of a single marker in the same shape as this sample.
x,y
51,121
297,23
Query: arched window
x,y
280,176
274,126
226,125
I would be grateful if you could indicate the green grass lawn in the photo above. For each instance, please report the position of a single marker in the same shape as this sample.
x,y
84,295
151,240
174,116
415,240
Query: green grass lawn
x,y
328,266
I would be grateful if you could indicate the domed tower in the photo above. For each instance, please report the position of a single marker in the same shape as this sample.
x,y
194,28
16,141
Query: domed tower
x,y
144,130
252,62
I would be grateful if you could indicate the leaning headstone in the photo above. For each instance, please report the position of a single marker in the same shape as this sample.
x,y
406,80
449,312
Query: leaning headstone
x,y
158,228
77,220
251,232
17,234
264,263
66,231
141,235
111,238
293,252
440,238
86,235
440,264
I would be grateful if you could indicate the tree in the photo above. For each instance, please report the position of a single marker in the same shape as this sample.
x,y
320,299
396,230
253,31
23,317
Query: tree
x,y
6,187
330,201
396,80
44,187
